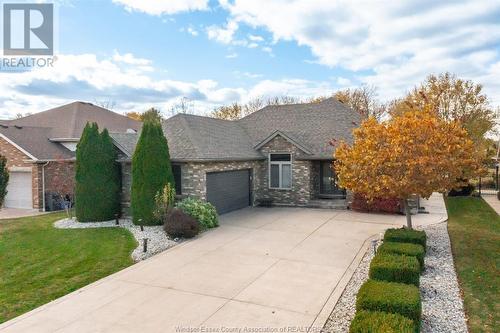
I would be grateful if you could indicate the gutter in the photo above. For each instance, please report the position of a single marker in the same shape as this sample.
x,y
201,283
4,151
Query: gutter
x,y
43,185
182,160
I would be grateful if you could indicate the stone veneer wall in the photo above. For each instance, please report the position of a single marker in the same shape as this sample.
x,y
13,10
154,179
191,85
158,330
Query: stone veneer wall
x,y
126,187
302,189
193,178
193,175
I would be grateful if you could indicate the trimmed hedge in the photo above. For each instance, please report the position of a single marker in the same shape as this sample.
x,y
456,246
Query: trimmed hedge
x,y
406,236
395,268
400,298
381,322
409,249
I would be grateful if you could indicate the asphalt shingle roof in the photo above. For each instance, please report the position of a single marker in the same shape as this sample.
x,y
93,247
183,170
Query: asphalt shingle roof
x,y
34,133
312,125
68,121
35,140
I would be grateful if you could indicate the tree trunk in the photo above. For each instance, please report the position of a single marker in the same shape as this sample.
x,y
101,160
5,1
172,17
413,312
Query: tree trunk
x,y
408,213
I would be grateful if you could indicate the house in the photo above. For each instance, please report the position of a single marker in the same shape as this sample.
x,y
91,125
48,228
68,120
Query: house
x,y
40,149
280,153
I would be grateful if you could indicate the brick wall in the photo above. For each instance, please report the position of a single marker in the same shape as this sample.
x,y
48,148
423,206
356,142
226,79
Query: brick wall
x,y
16,159
59,178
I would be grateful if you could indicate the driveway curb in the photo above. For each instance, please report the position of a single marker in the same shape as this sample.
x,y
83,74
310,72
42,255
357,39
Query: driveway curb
x,y
335,295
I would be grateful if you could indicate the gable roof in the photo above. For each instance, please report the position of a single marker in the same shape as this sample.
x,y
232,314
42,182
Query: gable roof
x,y
36,142
68,121
309,126
286,137
40,134
312,125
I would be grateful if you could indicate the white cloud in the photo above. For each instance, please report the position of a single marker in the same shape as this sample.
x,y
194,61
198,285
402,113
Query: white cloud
x,y
222,34
161,7
232,55
248,75
121,79
255,38
290,87
398,42
129,58
192,31
342,81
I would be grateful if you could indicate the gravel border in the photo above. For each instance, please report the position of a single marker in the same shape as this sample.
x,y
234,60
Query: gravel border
x,y
158,240
345,309
442,305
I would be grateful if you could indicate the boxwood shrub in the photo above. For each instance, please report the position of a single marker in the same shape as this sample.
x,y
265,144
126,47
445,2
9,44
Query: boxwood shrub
x,y
392,297
203,212
395,268
381,322
409,249
406,236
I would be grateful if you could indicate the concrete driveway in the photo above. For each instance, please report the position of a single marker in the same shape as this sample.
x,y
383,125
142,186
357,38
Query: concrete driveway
x,y
12,213
263,267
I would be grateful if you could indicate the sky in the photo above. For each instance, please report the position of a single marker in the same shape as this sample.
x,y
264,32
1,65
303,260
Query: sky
x,y
132,55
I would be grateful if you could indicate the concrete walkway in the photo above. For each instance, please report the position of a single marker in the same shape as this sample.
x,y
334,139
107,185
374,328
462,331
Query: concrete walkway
x,y
493,202
262,268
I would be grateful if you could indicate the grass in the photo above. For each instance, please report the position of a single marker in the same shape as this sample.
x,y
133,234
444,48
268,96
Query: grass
x,y
39,263
474,229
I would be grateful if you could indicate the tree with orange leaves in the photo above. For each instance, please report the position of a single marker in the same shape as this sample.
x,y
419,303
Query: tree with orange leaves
x,y
416,153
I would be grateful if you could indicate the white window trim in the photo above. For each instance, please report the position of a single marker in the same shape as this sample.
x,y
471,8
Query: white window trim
x,y
280,163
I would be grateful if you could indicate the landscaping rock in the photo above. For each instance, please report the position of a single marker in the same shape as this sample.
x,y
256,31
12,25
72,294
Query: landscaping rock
x,y
158,240
442,306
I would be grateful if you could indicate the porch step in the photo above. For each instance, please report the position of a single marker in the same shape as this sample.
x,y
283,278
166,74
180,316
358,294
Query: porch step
x,y
327,203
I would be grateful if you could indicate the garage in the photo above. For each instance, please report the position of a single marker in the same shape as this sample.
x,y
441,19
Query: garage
x,y
229,190
19,190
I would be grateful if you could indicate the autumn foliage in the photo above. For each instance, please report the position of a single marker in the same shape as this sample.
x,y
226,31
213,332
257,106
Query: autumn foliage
x,y
415,153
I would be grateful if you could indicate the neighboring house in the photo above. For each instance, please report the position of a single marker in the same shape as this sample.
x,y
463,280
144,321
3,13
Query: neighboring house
x,y
40,149
282,153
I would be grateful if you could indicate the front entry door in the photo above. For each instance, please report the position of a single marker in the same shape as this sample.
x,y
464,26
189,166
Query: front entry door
x,y
328,181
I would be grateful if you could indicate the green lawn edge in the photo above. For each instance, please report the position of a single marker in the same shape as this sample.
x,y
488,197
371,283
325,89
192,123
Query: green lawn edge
x,y
40,263
474,229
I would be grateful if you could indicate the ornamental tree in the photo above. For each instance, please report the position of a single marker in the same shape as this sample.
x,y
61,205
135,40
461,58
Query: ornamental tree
x,y
151,171
97,176
416,153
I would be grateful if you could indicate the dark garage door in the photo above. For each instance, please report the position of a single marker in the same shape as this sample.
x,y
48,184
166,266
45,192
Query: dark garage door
x,y
228,190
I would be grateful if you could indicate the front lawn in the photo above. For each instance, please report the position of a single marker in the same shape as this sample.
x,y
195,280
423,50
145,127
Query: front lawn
x,y
474,230
39,263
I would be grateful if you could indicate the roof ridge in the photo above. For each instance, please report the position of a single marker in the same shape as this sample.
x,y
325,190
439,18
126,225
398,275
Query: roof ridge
x,y
204,117
189,134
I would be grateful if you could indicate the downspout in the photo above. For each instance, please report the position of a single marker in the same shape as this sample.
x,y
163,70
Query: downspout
x,y
43,185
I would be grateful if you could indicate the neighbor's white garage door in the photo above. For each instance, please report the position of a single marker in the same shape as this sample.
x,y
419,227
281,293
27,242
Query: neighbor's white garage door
x,y
19,190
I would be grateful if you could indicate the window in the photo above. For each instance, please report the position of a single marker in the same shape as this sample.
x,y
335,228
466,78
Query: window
x,y
176,170
280,171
